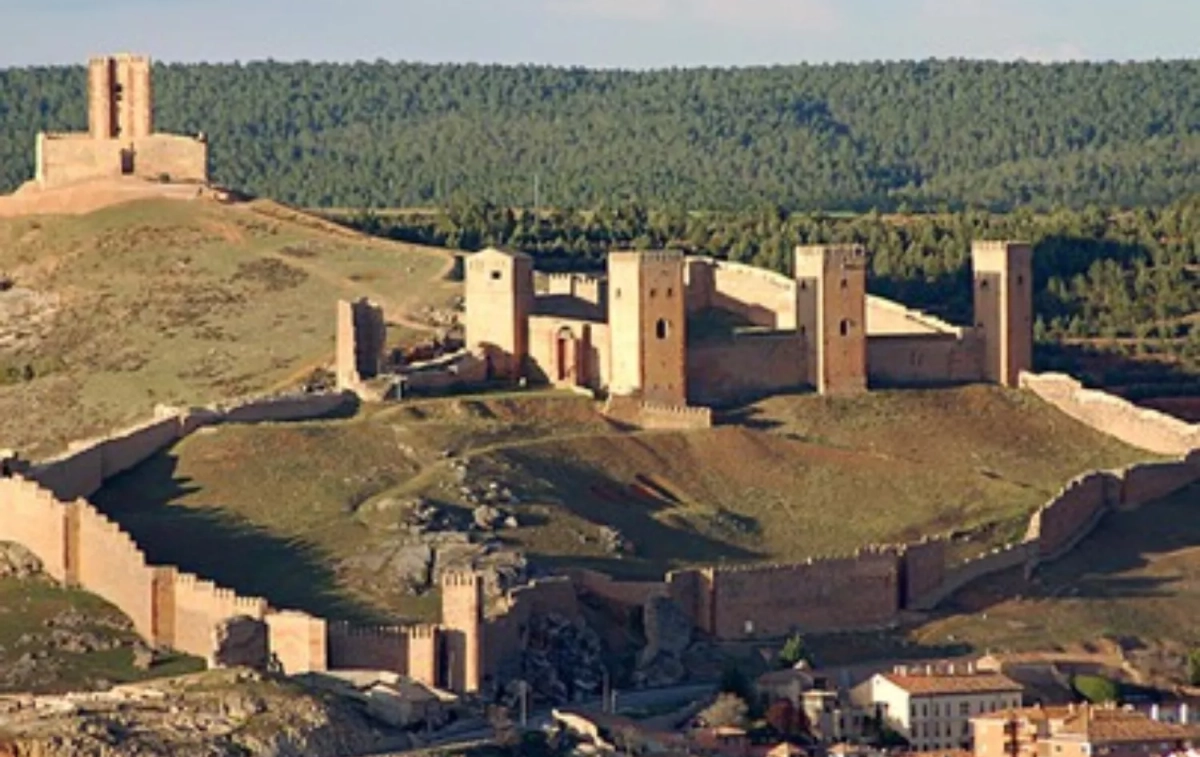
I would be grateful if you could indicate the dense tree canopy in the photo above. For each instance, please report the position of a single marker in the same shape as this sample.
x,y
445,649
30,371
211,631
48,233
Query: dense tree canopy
x,y
833,137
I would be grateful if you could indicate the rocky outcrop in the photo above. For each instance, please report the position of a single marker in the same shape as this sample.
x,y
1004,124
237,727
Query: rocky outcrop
x,y
668,635
217,713
18,562
560,663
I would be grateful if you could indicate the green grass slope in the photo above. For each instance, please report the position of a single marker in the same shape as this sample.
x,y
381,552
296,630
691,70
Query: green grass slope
x,y
275,510
56,640
166,301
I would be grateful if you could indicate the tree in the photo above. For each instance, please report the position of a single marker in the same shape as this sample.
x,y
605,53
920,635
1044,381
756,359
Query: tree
x,y
793,652
734,681
1095,689
727,710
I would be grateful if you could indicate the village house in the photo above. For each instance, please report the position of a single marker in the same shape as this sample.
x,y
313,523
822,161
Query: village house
x,y
1077,731
932,707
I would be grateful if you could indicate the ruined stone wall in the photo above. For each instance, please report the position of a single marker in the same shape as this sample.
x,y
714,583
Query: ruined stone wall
x,y
171,157
762,297
692,590
657,416
297,641
745,367
503,630
1139,427
464,370
109,564
69,158
199,606
924,359
32,517
622,593
861,591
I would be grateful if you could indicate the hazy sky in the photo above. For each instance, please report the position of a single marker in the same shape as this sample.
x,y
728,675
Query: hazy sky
x,y
611,33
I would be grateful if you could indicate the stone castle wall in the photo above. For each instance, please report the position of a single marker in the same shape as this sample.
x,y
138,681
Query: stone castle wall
x,y
746,366
762,297
63,159
106,561
1139,427
886,317
924,359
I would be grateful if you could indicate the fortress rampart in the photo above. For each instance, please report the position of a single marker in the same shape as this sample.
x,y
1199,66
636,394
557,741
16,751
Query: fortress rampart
x,y
1139,427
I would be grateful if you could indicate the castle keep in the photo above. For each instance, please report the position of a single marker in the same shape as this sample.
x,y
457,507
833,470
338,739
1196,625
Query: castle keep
x,y
669,331
120,140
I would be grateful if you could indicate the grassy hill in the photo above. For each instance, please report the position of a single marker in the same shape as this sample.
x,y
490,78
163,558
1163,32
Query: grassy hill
x,y
54,639
163,301
285,511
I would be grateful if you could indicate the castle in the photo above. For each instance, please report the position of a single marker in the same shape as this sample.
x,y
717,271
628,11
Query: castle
x,y
668,330
120,140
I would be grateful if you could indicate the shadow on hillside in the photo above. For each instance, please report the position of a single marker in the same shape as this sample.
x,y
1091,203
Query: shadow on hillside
x,y
658,543
219,546
1110,564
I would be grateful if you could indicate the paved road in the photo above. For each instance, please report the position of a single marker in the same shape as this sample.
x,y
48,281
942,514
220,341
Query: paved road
x,y
469,732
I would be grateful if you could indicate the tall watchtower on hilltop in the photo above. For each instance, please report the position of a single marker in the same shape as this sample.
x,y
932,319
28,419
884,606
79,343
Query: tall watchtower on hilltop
x,y
120,140
647,318
1003,299
831,294
499,301
120,98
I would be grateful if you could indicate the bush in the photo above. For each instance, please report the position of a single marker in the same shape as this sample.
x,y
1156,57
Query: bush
x,y
1095,689
1194,667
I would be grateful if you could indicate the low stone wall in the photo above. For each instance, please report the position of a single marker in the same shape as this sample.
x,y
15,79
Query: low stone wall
x,y
623,593
1139,427
654,416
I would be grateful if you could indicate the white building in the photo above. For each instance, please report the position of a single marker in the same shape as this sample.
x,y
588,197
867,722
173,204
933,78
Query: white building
x,y
933,709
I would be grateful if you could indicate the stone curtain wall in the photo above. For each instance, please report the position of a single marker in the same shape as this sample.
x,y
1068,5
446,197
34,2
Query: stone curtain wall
x,y
747,366
31,516
924,359
82,469
1139,427
108,563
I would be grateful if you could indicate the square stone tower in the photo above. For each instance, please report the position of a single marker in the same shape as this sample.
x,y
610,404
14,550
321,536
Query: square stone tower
x,y
499,295
647,318
1004,308
120,99
831,294
462,626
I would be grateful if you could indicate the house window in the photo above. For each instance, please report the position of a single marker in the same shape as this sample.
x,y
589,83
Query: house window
x,y
497,275
983,284
964,708
662,328
845,327
670,292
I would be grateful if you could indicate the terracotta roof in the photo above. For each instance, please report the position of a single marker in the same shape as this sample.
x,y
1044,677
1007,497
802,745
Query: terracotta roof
x,y
1100,726
971,683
